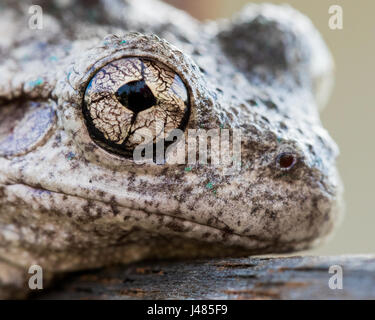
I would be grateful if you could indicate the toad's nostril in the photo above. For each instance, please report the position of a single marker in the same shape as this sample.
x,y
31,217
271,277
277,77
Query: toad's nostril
x,y
136,96
286,161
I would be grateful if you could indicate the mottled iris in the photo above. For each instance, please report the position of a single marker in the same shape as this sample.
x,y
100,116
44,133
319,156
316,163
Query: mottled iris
x,y
132,101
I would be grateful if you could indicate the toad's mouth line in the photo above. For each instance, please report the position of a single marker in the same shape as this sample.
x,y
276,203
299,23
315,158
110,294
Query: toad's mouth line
x,y
232,238
158,214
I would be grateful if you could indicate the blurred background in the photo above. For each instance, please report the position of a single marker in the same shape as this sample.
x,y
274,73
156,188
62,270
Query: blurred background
x,y
349,116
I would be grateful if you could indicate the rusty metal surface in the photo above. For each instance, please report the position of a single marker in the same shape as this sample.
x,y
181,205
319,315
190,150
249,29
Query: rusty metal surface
x,y
246,278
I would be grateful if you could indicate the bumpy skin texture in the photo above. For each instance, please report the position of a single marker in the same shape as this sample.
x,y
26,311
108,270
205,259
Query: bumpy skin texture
x,y
68,204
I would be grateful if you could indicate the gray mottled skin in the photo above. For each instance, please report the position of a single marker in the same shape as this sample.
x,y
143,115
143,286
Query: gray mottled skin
x,y
67,204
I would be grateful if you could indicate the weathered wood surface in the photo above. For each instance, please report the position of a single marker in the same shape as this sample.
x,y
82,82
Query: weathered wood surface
x,y
247,278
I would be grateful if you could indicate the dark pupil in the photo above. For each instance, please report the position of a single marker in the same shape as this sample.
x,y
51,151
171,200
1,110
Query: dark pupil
x,y
136,96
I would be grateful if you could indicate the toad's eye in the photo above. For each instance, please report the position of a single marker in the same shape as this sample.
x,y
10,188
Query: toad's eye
x,y
131,98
